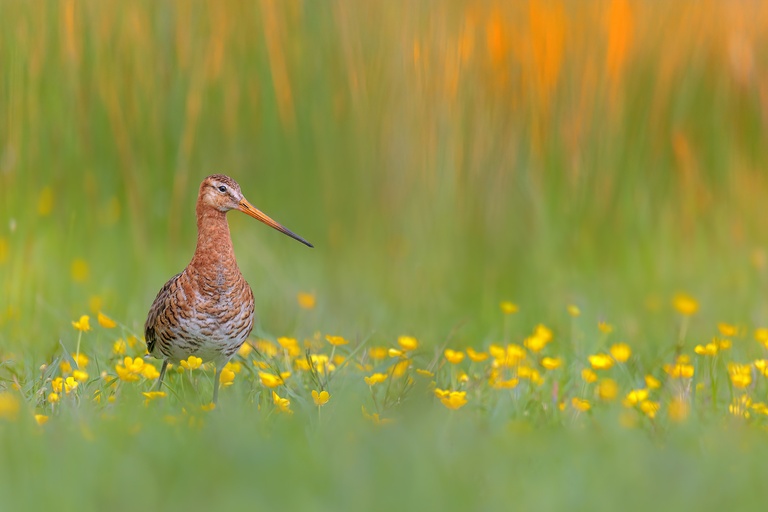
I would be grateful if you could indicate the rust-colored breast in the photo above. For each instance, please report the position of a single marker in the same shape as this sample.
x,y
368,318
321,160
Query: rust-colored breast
x,y
206,310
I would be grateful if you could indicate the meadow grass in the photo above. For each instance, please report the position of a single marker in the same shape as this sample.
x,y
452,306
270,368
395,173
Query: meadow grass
x,y
574,191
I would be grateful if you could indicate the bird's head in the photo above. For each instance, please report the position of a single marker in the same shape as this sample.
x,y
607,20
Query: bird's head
x,y
223,194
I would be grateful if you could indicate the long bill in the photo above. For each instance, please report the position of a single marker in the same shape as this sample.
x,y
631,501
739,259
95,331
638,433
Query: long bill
x,y
248,209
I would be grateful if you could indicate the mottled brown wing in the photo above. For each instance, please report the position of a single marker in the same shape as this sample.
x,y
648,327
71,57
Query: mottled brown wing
x,y
160,303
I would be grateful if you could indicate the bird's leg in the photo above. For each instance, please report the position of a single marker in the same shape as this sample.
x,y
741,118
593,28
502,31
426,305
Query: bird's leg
x,y
216,384
162,374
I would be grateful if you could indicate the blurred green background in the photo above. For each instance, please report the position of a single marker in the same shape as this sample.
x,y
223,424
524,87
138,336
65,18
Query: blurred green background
x,y
441,157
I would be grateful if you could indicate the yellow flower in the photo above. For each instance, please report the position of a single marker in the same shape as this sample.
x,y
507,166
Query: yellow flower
x,y
761,335
761,365
710,349
290,345
9,406
375,378
320,398
41,419
306,300
727,330
504,384
740,406
652,382
53,397
70,384
678,410
399,369
508,308
476,356
588,375
685,304
81,360
740,374
191,363
266,348
635,397
227,377
534,343
649,408
541,336
244,350
454,399
321,363
600,361
454,356
154,394
607,389
573,310
80,375
425,373
511,356
377,352
408,343
581,404
208,407
335,340
283,404
83,324
621,352
130,369
269,380
149,371
605,327
235,366
105,321
375,418
723,344
551,363
681,368
65,367
79,270
441,393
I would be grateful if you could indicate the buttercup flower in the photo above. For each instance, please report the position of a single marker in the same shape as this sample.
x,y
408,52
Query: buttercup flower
x,y
191,363
375,378
477,357
600,361
408,343
105,321
83,324
685,304
306,300
283,404
335,340
454,356
508,307
620,352
320,398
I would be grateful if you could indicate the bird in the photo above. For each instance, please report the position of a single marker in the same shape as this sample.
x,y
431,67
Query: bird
x,y
207,310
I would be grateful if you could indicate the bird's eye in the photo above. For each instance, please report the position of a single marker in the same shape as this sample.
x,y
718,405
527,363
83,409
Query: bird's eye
x,y
222,188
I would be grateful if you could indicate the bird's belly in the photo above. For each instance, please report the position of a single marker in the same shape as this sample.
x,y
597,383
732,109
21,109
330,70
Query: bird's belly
x,y
213,334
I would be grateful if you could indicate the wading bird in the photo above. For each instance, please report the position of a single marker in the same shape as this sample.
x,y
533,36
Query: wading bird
x,y
207,310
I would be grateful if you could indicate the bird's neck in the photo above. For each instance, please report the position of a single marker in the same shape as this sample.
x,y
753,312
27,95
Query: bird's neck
x,y
214,244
